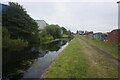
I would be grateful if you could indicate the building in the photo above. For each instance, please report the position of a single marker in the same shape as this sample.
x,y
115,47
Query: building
x,y
89,34
80,32
104,37
97,36
100,36
3,7
114,36
41,23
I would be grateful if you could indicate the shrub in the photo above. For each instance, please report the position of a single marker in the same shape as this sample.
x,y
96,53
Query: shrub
x,y
7,42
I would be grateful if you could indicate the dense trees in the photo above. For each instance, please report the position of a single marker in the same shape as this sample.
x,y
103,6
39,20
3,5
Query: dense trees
x,y
54,30
20,29
64,30
44,36
7,42
19,23
50,32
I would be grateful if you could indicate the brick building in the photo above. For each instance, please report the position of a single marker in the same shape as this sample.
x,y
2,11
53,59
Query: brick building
x,y
114,36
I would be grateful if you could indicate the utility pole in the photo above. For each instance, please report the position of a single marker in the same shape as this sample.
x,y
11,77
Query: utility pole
x,y
118,14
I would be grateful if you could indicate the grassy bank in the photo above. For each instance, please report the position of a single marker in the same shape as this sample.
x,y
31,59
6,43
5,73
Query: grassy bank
x,y
79,60
111,48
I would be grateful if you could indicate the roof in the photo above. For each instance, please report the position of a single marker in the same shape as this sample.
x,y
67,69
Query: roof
x,y
39,20
98,33
115,30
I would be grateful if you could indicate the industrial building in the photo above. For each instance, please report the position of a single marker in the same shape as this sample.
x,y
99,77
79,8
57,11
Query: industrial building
x,y
41,23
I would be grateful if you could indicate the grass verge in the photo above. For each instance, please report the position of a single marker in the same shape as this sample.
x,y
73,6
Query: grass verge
x,y
79,60
110,48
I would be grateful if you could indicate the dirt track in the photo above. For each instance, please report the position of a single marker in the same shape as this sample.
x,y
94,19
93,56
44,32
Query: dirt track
x,y
105,54
109,57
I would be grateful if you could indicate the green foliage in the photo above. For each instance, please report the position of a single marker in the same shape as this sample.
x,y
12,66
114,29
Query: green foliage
x,y
5,33
19,23
69,32
45,37
7,42
19,27
54,30
64,30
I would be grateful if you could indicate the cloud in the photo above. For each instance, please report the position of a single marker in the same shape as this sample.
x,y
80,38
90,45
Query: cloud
x,y
58,0
76,15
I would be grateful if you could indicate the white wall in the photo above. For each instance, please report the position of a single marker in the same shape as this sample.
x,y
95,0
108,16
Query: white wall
x,y
41,23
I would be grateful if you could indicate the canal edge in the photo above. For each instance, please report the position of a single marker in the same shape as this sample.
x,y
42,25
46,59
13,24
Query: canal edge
x,y
46,70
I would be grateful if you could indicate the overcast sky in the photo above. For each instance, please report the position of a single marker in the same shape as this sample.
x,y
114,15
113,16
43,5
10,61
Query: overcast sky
x,y
97,16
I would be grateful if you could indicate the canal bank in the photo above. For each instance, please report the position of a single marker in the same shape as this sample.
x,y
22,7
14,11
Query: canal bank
x,y
79,60
19,62
42,63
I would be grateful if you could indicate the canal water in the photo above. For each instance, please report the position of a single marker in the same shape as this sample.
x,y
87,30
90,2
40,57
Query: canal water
x,y
42,63
30,62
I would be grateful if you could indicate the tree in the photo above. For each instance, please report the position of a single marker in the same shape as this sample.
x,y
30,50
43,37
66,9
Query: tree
x,y
5,33
69,32
54,30
7,42
19,23
64,30
77,32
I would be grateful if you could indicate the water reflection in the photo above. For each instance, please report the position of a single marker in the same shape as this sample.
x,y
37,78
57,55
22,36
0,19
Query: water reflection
x,y
17,61
54,46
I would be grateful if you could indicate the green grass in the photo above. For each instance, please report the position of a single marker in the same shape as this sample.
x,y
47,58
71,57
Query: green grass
x,y
79,60
68,62
111,48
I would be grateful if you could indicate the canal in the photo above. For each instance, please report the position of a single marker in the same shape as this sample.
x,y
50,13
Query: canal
x,y
30,62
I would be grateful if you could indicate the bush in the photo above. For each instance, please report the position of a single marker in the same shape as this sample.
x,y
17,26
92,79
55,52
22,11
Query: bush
x,y
45,37
54,30
7,42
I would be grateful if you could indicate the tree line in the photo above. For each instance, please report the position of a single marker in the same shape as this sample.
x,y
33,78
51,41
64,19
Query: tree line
x,y
19,29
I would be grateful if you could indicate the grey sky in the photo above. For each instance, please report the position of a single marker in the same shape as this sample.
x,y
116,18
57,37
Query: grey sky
x,y
92,16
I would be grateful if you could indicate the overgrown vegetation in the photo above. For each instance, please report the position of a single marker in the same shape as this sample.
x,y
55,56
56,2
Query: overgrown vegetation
x,y
45,36
109,47
19,29
54,30
7,42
